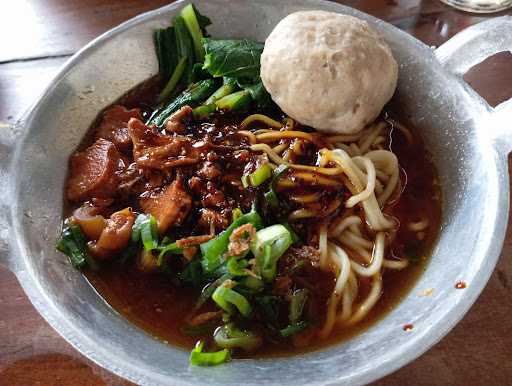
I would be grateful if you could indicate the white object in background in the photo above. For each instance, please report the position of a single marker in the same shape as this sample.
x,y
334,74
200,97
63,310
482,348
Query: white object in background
x,y
480,6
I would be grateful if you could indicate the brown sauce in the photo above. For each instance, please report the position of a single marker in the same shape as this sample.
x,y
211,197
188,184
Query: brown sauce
x,y
155,304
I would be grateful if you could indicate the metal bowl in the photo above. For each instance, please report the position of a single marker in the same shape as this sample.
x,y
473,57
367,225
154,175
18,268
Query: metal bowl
x,y
466,137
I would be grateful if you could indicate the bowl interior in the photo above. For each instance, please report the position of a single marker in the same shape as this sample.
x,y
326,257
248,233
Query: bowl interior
x,y
449,121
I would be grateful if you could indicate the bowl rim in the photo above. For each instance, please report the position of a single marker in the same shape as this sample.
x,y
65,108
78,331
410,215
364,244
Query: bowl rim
x,y
80,341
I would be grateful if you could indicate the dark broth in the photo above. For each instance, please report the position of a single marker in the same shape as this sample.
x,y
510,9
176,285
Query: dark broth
x,y
159,307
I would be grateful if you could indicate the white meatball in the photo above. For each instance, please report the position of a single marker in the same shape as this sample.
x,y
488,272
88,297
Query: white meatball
x,y
328,71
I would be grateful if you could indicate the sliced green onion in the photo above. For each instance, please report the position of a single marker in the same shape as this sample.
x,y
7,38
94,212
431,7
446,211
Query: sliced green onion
x,y
172,249
293,329
145,229
228,336
259,176
297,302
271,195
237,212
200,358
295,236
209,289
271,198
278,172
251,283
193,274
268,246
237,267
165,241
227,299
245,181
74,244
214,249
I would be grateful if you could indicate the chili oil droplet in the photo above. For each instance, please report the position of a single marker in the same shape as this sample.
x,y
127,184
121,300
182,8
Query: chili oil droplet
x,y
460,285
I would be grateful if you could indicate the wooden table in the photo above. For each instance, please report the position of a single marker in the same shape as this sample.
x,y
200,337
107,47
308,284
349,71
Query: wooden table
x,y
37,36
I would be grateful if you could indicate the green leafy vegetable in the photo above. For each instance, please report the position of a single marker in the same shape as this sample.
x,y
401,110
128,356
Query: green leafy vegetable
x,y
213,250
234,58
203,21
209,106
268,246
185,46
229,86
203,111
293,329
73,243
200,358
228,336
188,14
228,300
166,50
268,306
258,93
193,95
237,101
173,81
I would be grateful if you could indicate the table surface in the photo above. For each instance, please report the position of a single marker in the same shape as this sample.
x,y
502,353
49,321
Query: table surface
x,y
44,33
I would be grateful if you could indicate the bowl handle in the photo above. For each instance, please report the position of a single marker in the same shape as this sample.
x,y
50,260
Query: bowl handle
x,y
9,134
470,47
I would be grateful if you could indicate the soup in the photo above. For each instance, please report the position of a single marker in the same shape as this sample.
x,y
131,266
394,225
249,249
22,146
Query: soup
x,y
206,214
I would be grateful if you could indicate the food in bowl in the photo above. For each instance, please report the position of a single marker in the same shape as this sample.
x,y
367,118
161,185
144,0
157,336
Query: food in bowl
x,y
329,71
203,213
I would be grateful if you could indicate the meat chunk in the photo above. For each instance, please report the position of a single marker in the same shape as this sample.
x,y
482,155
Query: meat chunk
x,y
175,122
116,234
197,186
114,126
209,171
90,220
156,151
95,171
170,206
282,286
298,258
214,197
209,217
